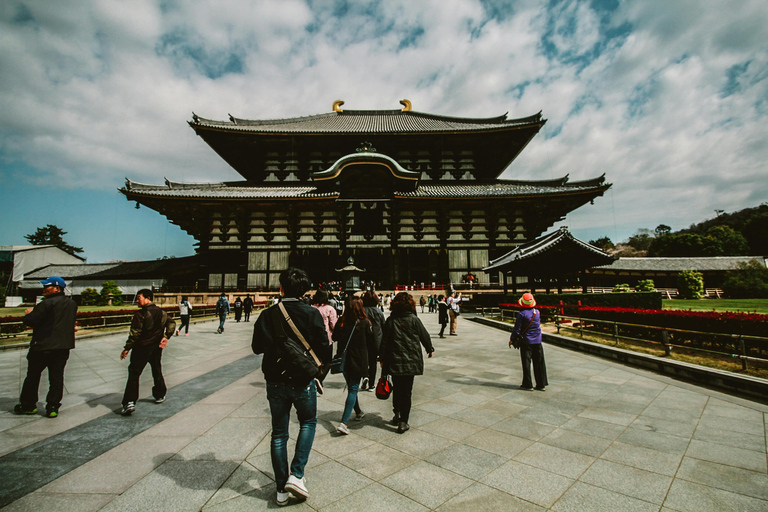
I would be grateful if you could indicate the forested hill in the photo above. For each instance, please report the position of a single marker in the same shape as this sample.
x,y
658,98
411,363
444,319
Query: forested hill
x,y
737,221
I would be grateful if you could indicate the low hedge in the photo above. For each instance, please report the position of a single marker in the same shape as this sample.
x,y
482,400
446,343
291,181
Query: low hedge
x,y
637,300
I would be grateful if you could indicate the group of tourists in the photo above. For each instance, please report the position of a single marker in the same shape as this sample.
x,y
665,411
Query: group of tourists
x,y
364,339
223,308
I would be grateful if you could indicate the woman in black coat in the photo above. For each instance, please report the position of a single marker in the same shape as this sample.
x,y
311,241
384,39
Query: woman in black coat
x,y
401,355
353,333
442,314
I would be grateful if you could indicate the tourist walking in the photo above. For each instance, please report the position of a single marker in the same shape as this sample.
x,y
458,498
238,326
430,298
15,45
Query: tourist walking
x,y
321,303
401,355
422,303
222,309
284,390
238,307
247,307
453,311
527,336
150,329
353,334
372,308
185,311
442,314
53,335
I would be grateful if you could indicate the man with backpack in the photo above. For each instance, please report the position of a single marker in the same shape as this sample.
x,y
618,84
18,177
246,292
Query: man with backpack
x,y
222,308
289,382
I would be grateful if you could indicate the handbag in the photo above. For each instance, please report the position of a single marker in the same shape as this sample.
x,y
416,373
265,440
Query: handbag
x,y
337,363
299,361
384,387
516,340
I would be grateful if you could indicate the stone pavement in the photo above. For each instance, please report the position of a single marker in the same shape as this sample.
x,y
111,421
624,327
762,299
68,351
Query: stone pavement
x,y
601,437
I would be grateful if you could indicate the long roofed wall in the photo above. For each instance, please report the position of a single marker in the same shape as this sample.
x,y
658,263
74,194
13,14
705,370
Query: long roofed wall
x,y
419,201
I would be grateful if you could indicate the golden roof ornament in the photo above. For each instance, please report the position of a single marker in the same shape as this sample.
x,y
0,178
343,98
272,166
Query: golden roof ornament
x,y
337,106
406,105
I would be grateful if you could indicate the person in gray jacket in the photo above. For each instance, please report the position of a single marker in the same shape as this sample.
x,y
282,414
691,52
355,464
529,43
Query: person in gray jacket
x,y
371,304
53,336
401,355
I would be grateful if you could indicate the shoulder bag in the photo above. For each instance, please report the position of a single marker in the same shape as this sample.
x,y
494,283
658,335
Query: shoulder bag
x,y
516,340
337,364
300,363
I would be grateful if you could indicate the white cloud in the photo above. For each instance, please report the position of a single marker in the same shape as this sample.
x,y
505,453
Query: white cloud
x,y
671,107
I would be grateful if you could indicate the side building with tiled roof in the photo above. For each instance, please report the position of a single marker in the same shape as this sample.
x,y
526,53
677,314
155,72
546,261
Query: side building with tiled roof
x,y
412,197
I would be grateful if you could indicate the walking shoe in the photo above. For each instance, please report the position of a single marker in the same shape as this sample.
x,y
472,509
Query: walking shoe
x,y
297,487
342,429
177,332
319,386
186,334
403,427
51,412
282,498
160,400
395,420
19,409
526,388
128,409
359,416
454,334
364,385
541,388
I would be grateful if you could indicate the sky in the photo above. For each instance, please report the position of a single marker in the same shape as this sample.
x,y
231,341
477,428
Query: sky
x,y
668,99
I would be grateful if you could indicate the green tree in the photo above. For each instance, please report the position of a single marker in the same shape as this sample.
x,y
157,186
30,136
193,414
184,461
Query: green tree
x,y
621,288
645,285
52,235
756,233
725,241
662,229
90,297
748,281
603,243
641,240
690,284
110,287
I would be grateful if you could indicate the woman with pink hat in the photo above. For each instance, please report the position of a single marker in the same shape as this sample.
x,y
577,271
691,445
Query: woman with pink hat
x,y
527,337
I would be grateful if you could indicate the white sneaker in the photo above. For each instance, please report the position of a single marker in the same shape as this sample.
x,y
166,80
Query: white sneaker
x,y
359,416
297,487
342,429
282,498
160,400
128,409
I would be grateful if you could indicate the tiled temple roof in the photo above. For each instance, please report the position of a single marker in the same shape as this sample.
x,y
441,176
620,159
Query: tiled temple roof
x,y
368,121
456,189
711,263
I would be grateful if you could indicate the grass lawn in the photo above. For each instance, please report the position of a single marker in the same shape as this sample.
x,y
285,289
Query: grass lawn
x,y
745,305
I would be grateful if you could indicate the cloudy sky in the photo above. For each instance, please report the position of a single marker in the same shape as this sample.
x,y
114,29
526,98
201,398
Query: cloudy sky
x,y
668,98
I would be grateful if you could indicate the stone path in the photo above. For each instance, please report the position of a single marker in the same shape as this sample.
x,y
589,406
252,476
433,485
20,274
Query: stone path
x,y
602,437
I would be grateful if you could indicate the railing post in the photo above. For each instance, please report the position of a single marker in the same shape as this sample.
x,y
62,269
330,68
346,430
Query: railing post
x,y
616,332
665,341
557,323
743,349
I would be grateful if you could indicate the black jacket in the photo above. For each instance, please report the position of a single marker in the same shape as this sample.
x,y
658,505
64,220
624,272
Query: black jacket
x,y
149,326
442,313
53,323
400,350
266,335
377,324
356,363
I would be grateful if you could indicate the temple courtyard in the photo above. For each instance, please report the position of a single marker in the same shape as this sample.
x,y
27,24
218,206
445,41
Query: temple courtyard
x,y
601,437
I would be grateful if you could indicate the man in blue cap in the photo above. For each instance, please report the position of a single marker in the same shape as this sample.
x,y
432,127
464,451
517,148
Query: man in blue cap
x,y
53,336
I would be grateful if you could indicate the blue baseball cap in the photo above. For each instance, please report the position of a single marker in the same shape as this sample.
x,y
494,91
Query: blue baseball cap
x,y
54,281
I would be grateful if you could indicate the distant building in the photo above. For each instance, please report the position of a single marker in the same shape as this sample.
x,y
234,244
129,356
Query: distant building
x,y
18,261
412,197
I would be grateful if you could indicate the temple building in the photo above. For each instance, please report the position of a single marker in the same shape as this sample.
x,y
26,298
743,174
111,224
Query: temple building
x,y
411,197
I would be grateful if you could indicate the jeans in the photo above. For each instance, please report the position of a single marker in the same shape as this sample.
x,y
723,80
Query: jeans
x,y
140,356
533,352
222,318
353,387
281,397
184,323
37,361
402,389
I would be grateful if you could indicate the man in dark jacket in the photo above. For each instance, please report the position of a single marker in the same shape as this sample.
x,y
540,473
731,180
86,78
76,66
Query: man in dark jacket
x,y
150,329
247,307
53,336
284,391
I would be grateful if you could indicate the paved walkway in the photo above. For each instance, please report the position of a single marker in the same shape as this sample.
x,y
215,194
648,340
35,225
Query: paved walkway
x,y
602,437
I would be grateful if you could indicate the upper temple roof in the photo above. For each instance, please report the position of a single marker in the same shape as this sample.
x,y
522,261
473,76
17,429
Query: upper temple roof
x,y
368,121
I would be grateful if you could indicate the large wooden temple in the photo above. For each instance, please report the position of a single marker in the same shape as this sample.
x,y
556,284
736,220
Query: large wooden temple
x,y
412,197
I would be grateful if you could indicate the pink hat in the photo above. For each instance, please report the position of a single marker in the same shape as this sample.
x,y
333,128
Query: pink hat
x,y
527,300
